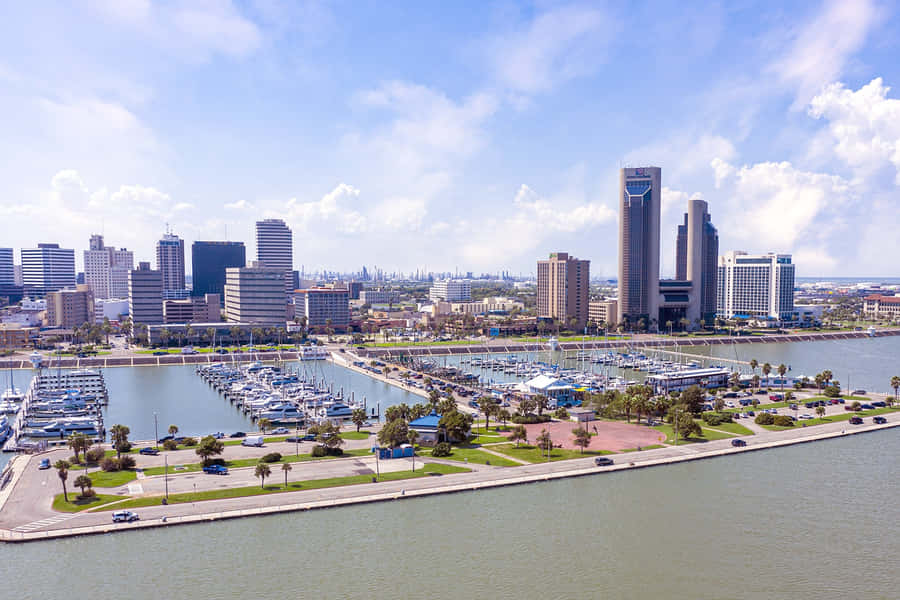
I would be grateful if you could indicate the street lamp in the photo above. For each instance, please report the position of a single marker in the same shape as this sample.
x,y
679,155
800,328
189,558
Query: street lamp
x,y
156,430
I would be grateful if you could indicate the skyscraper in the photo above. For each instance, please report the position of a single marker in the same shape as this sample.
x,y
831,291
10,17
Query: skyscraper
x,y
106,269
47,268
275,247
563,283
7,267
756,286
145,289
681,251
697,253
639,190
208,263
170,262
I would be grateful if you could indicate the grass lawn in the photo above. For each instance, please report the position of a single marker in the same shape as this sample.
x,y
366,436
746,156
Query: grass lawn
x,y
735,428
533,454
834,418
762,406
490,435
106,479
708,435
250,462
651,447
356,435
474,455
293,486
405,344
76,504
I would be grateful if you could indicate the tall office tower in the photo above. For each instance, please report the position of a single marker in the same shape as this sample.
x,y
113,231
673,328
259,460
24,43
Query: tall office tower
x,y
275,247
7,267
639,190
255,295
563,283
755,286
47,268
170,261
145,295
106,269
698,251
208,263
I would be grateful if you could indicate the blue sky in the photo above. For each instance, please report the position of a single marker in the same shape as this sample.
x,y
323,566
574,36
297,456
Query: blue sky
x,y
444,135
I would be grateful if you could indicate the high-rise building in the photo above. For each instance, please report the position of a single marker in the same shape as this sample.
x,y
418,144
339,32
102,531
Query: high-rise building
x,y
170,261
47,268
640,196
323,307
451,290
7,267
70,308
757,286
696,260
255,295
355,288
275,247
563,283
106,269
208,263
145,289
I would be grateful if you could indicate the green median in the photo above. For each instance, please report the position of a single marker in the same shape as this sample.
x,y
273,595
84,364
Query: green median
x,y
473,455
533,454
251,462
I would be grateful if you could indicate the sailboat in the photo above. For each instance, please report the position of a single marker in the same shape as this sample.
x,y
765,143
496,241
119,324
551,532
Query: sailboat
x,y
12,393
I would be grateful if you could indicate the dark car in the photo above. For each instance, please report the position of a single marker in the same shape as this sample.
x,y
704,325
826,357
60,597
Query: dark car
x,y
150,451
603,461
309,437
45,464
866,406
878,404
879,420
222,351
751,413
238,434
293,439
160,353
215,470
738,443
165,438
856,420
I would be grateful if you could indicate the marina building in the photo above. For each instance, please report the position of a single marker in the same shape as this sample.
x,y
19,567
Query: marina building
x,y
275,247
170,261
451,290
47,268
256,294
682,380
208,263
106,269
878,306
323,306
563,285
145,288
640,197
755,286
70,308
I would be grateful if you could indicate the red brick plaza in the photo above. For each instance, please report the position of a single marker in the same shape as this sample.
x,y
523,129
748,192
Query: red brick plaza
x,y
609,435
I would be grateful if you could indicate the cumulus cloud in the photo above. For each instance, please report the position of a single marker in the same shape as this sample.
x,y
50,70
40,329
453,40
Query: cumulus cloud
x,y
335,210
240,205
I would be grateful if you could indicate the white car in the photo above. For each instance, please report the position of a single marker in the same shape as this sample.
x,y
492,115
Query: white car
x,y
124,516
805,417
729,404
280,430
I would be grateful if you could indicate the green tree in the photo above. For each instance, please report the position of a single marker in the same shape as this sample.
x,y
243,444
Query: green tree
x,y
766,369
62,470
519,434
687,426
119,436
209,447
173,430
262,471
78,442
527,406
394,433
541,403
820,411
106,328
692,399
434,396
489,408
781,371
895,383
264,424
83,482
753,365
285,468
456,425
544,441
358,416
582,438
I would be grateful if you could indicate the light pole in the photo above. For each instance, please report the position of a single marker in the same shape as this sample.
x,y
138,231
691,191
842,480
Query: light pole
x,y
167,477
156,430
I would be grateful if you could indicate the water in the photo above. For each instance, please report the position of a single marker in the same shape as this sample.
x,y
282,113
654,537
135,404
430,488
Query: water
x,y
811,521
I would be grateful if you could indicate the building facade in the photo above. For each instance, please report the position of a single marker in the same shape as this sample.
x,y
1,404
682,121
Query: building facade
x,y
696,260
106,269
47,268
878,306
378,296
603,311
451,290
170,261
7,267
322,306
255,295
755,286
70,308
563,286
208,263
145,288
193,310
639,213
275,247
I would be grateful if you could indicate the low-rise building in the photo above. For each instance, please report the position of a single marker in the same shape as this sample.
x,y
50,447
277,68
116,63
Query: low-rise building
x,y
192,310
70,307
378,297
603,311
878,306
110,308
14,336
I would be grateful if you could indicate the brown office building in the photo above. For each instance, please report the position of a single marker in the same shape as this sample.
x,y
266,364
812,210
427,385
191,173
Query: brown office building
x,y
70,308
563,283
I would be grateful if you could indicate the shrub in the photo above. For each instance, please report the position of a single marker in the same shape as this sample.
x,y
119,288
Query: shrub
x,y
530,419
271,457
109,464
88,493
764,419
832,391
189,442
170,445
442,449
716,418
561,413
783,421
94,455
74,461
126,462
319,451
124,447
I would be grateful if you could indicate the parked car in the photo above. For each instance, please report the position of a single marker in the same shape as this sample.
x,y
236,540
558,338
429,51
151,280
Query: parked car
x,y
238,434
738,443
603,461
150,451
859,393
729,404
751,413
45,464
218,435
309,437
805,417
793,406
124,516
878,404
215,470
879,420
856,420
280,431
866,406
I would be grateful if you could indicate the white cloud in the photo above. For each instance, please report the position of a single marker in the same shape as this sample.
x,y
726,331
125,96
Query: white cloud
x,y
864,125
558,45
240,205
336,210
819,50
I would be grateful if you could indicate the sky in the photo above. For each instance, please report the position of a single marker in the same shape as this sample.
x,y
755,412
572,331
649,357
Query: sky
x,y
444,136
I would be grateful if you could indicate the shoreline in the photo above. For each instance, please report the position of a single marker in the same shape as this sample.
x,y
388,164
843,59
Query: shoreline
x,y
387,491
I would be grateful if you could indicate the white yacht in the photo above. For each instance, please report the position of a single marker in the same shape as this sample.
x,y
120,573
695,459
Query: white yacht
x,y
314,353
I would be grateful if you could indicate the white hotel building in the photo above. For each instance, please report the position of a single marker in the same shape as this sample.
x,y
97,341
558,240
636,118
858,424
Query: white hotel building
x,y
759,287
451,290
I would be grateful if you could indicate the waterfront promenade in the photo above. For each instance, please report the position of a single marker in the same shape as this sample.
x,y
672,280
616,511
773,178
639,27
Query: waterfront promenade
x,y
38,521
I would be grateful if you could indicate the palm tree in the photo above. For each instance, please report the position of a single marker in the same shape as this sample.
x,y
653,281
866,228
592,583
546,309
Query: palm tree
x,y
754,364
78,443
820,410
766,369
519,433
262,471
285,468
781,371
62,469
165,335
173,429
358,416
210,334
83,481
895,383
107,328
118,435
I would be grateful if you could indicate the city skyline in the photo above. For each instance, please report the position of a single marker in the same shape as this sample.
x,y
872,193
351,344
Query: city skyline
x,y
781,118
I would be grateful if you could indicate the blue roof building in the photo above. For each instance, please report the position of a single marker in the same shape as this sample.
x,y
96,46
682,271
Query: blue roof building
x,y
428,428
